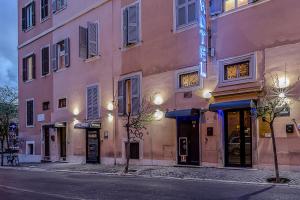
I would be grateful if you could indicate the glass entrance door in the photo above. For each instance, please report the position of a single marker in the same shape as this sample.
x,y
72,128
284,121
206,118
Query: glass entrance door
x,y
238,138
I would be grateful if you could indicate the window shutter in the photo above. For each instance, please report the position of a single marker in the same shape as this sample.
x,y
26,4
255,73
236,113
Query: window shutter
x,y
92,39
29,113
216,7
125,27
54,57
133,21
135,95
23,19
33,67
121,98
25,77
45,61
92,103
54,5
82,42
89,103
33,13
67,52
95,102
64,3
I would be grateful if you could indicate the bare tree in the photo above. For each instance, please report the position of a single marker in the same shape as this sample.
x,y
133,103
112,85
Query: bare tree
x,y
8,112
274,99
136,125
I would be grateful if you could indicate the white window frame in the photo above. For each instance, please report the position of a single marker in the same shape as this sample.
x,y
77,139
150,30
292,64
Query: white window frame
x,y
30,126
185,26
28,27
186,71
60,9
99,100
233,60
27,147
140,25
63,108
26,57
41,60
46,18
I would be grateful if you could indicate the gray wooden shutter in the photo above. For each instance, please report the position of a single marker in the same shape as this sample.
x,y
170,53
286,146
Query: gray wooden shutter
x,y
29,113
125,27
33,13
135,95
89,103
67,52
24,19
92,39
45,61
133,24
82,42
54,57
121,98
25,77
216,7
54,5
92,103
33,67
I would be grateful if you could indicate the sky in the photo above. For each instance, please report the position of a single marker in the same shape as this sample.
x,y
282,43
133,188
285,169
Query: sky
x,y
8,43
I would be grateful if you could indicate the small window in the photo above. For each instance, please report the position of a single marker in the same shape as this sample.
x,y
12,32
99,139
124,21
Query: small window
x,y
30,148
58,5
29,68
131,24
88,41
62,103
28,16
238,70
61,55
29,113
134,150
189,80
44,9
233,4
46,105
45,61
186,12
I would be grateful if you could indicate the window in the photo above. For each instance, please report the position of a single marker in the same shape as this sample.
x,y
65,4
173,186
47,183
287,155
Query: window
x,y
219,6
186,12
134,150
62,103
29,68
92,102
28,16
60,55
232,4
46,105
129,95
58,5
131,24
29,113
44,9
188,79
238,70
88,41
45,61
30,148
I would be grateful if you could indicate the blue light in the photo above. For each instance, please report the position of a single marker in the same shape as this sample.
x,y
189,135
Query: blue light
x,y
203,38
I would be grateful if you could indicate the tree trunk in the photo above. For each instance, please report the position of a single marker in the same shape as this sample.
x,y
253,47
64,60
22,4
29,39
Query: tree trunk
x,y
127,145
2,155
274,152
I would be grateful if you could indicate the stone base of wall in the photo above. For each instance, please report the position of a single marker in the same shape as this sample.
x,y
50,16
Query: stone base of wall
x,y
24,158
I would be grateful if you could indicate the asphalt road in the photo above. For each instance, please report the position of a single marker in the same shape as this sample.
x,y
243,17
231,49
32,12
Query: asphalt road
x,y
23,185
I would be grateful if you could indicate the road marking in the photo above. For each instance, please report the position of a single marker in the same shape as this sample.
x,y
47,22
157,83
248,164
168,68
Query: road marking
x,y
41,193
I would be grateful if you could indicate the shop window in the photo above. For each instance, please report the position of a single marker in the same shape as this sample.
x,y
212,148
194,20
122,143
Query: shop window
x,y
237,70
188,79
62,103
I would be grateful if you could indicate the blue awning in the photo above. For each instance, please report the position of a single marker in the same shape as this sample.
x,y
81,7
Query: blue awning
x,y
183,113
231,105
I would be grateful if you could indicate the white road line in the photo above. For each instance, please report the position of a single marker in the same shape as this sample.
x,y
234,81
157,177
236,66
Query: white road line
x,y
41,193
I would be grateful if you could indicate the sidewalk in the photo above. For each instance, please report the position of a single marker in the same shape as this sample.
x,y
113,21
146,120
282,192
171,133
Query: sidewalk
x,y
198,173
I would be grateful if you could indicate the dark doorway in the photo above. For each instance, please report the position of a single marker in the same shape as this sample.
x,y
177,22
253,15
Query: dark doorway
x,y
238,138
188,141
92,146
47,143
62,134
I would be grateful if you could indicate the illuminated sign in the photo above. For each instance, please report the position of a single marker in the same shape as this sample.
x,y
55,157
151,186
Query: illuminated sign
x,y
203,38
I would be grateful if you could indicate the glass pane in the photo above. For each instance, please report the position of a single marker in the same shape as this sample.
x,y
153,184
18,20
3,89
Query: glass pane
x,y
244,69
233,138
242,2
248,138
230,72
192,12
180,2
189,80
229,5
181,16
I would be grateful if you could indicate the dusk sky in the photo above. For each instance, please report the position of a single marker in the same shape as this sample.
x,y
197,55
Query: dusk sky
x,y
8,43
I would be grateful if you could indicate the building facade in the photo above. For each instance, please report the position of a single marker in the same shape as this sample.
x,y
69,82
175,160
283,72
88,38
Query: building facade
x,y
84,64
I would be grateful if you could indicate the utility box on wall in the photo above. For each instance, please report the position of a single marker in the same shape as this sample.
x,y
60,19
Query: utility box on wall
x,y
289,128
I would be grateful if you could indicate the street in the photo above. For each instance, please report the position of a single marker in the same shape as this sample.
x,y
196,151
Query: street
x,y
23,185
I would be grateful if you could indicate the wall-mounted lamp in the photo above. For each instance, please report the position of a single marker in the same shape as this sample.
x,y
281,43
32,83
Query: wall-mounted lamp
x,y
158,115
76,111
207,94
283,82
110,106
158,100
110,117
282,95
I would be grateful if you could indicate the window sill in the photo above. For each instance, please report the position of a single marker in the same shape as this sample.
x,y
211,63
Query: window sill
x,y
94,58
60,10
236,82
28,81
190,89
44,19
45,76
29,126
185,27
125,48
28,29
61,70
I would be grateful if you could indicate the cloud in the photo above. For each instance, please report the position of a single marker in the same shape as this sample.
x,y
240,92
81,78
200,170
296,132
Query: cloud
x,y
8,43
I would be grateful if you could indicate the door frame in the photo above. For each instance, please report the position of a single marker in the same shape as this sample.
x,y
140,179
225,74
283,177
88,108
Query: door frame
x,y
242,139
178,120
86,145
49,142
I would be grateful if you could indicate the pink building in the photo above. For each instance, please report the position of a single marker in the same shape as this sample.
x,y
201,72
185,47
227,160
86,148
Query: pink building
x,y
203,61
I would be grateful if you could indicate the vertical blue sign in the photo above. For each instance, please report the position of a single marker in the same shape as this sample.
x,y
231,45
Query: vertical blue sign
x,y
203,38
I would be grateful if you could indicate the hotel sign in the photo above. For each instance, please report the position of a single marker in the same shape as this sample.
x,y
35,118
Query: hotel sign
x,y
203,38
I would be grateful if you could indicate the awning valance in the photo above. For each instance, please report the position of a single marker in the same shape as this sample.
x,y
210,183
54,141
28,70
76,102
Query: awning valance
x,y
87,125
231,105
183,113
